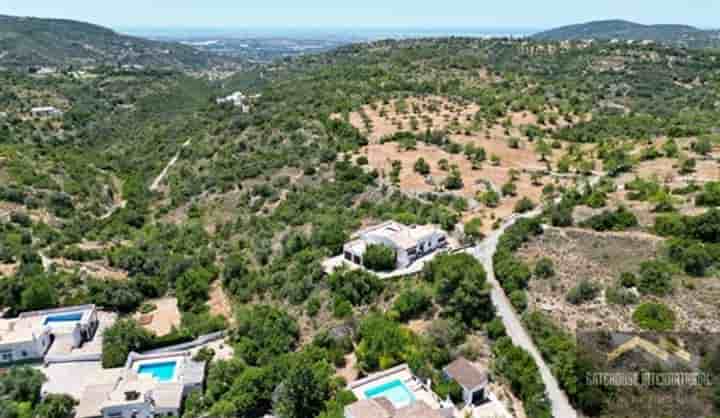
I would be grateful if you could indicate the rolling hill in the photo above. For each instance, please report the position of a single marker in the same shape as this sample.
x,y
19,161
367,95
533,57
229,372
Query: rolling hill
x,y
677,35
30,41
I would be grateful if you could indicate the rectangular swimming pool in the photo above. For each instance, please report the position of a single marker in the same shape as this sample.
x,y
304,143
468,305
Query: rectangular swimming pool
x,y
161,371
395,391
68,317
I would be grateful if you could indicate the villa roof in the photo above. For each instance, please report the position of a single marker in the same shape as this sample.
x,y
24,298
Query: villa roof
x,y
418,409
92,399
466,374
367,408
168,395
401,235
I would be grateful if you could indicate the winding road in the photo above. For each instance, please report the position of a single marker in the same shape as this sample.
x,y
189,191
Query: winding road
x,y
484,252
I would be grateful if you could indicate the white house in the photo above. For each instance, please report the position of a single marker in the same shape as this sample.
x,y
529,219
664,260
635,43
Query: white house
x,y
30,335
237,99
45,112
472,380
150,386
409,242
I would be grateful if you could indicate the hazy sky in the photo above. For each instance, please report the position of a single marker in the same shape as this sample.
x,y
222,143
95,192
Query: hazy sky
x,y
365,13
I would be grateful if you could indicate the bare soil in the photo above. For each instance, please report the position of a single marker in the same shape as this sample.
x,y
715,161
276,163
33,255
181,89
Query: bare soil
x,y
601,257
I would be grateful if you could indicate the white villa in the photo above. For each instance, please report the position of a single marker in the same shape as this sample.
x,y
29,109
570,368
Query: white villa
x,y
45,111
152,385
29,336
409,242
237,99
396,393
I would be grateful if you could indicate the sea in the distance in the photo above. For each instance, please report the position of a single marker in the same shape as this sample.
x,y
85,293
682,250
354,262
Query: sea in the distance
x,y
330,34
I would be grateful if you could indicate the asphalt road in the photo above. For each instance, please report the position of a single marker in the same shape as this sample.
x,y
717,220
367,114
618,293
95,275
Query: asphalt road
x,y
484,252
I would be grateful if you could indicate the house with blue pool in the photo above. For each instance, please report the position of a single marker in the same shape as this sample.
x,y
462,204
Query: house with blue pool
x,y
396,393
149,386
29,336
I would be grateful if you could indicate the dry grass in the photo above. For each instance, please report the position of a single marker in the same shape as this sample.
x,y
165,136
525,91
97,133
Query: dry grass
x,y
162,320
600,258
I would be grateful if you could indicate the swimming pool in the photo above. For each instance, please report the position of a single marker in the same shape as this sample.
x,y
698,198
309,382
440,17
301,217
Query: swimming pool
x,y
395,391
161,371
68,317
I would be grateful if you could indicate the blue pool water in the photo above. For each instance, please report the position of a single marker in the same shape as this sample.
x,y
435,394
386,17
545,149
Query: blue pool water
x,y
160,371
395,391
68,317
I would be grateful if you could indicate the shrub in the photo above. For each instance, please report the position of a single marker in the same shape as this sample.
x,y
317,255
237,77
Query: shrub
x,y
120,339
379,257
263,332
561,215
584,291
454,180
342,308
654,317
524,205
422,167
655,278
472,230
544,268
518,298
411,304
619,295
362,160
710,196
495,329
628,279
355,286
490,198
618,220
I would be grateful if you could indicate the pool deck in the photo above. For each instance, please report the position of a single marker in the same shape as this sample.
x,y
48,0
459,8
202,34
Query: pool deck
x,y
401,373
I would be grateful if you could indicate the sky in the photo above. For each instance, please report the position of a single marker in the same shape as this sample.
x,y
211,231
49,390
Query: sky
x,y
538,14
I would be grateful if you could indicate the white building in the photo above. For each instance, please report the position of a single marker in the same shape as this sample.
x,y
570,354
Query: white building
x,y
471,380
409,242
45,112
150,386
30,335
237,99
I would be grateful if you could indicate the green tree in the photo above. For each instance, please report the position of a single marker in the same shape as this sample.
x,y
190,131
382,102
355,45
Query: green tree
x,y
39,294
380,257
655,278
422,167
304,390
56,406
120,339
263,332
461,287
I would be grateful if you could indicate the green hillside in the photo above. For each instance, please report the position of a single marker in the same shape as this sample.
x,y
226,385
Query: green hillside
x,y
679,35
29,41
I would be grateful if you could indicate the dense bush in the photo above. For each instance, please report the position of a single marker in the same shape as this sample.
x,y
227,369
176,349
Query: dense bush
x,y
654,317
584,291
544,268
517,367
358,287
655,278
411,304
379,257
263,332
461,287
120,339
618,220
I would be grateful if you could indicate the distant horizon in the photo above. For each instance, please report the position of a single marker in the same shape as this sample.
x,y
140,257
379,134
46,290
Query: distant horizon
x,y
370,14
